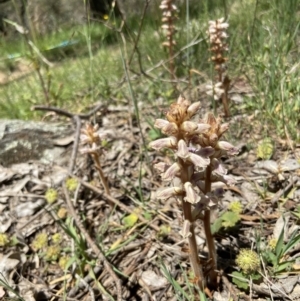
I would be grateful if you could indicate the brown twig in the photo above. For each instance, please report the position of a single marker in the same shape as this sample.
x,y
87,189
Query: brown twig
x,y
67,113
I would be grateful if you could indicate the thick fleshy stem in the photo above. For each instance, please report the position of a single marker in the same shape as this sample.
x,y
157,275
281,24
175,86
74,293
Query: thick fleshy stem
x,y
100,172
193,250
209,237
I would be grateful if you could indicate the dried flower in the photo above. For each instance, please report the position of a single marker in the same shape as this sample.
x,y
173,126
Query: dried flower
x,y
62,212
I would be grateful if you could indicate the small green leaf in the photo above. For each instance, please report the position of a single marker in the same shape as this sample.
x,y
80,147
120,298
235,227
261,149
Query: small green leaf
x,y
283,266
265,149
154,134
280,245
256,276
216,226
270,257
230,219
293,241
240,280
147,215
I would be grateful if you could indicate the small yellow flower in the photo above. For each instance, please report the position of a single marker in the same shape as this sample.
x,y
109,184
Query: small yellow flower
x,y
4,240
63,262
40,241
51,195
248,261
71,184
52,253
56,238
273,243
235,207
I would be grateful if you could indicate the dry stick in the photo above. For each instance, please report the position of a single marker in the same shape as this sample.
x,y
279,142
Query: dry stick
x,y
67,113
92,244
209,237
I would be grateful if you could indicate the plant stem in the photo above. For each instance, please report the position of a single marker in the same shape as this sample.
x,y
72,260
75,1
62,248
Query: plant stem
x,y
101,174
187,213
209,237
194,259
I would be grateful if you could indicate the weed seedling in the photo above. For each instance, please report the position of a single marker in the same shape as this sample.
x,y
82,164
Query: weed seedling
x,y
217,38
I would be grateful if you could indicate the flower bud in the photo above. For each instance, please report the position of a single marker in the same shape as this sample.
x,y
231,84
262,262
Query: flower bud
x,y
183,151
193,108
171,172
198,160
168,192
191,195
228,147
189,126
169,142
202,128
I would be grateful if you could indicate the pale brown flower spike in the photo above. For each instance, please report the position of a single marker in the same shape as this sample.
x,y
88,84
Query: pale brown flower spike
x,y
91,139
217,38
169,11
197,148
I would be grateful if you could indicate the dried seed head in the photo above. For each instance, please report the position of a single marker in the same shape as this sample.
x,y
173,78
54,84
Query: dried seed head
x,y
178,111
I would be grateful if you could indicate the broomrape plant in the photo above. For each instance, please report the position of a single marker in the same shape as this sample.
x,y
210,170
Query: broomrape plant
x,y
197,149
217,39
